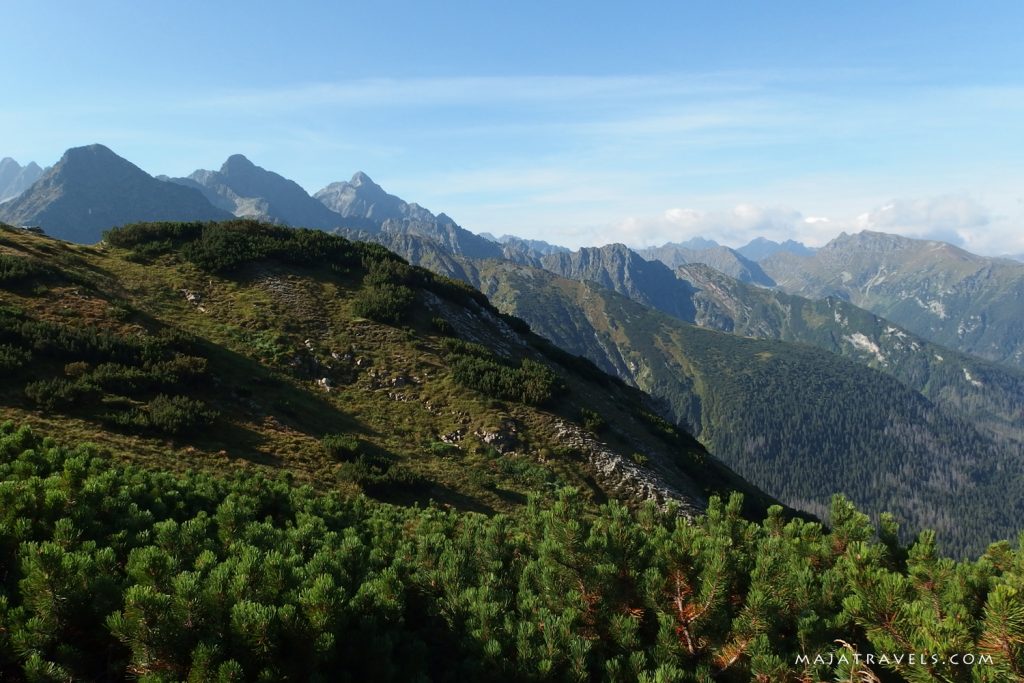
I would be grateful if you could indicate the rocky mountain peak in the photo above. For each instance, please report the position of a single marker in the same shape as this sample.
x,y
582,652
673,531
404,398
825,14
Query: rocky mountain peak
x,y
15,178
91,189
360,179
237,163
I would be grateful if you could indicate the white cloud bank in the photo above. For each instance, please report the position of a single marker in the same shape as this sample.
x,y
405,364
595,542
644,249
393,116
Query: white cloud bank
x,y
735,227
957,219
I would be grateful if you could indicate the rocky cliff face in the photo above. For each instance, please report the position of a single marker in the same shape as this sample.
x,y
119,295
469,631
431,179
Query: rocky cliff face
x,y
360,197
616,267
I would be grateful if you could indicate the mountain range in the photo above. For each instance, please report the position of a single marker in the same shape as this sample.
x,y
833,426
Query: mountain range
x,y
92,189
240,451
761,248
780,321
723,259
265,348
15,178
936,290
247,190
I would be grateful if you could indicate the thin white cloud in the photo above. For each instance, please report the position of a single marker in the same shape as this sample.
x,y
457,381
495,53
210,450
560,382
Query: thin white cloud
x,y
734,227
417,92
948,217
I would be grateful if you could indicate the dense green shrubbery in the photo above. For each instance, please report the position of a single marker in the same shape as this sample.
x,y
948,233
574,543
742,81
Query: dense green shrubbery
x,y
16,269
385,303
592,421
12,357
177,414
106,375
222,247
51,394
340,446
110,572
171,415
531,382
476,367
381,477
161,233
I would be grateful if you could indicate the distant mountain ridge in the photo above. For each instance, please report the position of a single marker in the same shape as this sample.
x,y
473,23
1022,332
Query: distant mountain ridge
x,y
360,197
761,248
622,270
626,335
936,290
92,189
250,191
540,247
15,178
724,259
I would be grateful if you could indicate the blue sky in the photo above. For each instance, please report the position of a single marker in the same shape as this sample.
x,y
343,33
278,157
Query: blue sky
x,y
580,123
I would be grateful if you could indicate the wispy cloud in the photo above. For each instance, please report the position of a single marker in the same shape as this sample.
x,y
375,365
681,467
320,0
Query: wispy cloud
x,y
419,92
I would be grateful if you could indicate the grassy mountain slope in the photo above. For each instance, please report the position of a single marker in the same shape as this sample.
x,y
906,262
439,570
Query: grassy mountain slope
x,y
243,345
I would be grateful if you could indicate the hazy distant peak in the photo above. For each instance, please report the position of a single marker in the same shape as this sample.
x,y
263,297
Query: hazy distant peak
x,y
251,191
538,246
871,240
15,178
360,197
761,248
697,243
89,160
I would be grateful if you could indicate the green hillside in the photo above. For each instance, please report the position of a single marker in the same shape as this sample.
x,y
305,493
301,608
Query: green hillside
x,y
801,422
247,346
